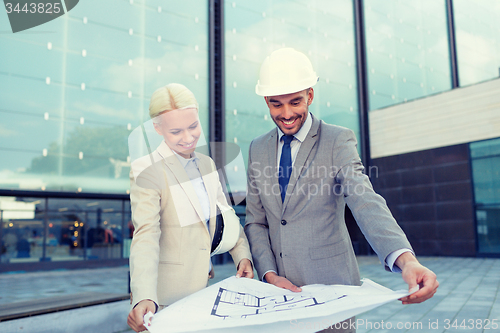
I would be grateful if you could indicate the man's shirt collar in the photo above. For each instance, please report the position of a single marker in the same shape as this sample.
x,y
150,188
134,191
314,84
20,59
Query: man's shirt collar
x,y
302,133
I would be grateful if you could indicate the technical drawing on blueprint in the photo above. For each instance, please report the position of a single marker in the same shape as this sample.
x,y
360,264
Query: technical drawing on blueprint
x,y
233,304
251,306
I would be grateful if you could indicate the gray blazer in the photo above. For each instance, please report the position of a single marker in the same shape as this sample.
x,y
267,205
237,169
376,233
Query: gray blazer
x,y
305,239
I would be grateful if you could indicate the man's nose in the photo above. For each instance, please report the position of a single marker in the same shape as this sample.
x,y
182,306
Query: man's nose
x,y
287,112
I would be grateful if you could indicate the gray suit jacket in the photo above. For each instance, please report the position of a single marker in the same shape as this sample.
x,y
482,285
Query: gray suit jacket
x,y
305,239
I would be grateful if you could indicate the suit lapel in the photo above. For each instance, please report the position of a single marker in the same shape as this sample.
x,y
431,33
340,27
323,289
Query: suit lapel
x,y
272,148
172,162
301,159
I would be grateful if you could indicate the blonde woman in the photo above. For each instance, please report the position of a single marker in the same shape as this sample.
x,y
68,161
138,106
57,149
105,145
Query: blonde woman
x,y
174,193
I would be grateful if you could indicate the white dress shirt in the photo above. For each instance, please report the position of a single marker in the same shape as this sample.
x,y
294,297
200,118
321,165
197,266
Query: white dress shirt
x,y
299,137
194,174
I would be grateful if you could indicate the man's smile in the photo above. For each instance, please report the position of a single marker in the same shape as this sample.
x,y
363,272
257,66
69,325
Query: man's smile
x,y
289,123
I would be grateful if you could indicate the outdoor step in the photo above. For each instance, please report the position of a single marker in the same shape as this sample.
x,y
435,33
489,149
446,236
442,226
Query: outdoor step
x,y
23,309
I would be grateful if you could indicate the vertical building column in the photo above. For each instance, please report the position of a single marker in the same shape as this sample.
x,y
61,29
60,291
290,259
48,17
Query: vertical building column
x,y
217,103
362,81
123,229
1,231
45,229
217,113
216,80
452,44
473,197
86,233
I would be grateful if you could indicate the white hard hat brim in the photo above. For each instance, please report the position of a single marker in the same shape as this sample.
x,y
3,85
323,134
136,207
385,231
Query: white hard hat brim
x,y
263,90
231,231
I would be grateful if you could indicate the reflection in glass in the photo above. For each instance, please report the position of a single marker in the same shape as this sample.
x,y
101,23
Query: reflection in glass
x,y
85,229
74,88
407,50
80,229
485,157
64,237
104,234
477,30
127,232
21,229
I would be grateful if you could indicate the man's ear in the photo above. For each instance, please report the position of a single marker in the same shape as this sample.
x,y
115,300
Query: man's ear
x,y
266,99
310,96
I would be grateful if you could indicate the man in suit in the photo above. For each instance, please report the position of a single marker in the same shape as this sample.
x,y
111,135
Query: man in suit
x,y
300,177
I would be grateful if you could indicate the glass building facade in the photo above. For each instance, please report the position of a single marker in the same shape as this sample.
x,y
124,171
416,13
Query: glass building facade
x,y
73,90
60,229
485,158
323,30
407,50
478,45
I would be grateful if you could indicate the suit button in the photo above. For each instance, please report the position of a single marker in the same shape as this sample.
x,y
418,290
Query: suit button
x,y
281,255
283,222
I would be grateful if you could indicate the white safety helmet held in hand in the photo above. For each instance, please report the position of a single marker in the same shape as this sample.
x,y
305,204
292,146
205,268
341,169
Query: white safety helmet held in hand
x,y
227,230
285,71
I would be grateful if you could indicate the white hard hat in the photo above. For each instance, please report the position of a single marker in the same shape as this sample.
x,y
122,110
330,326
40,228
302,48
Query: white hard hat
x,y
285,71
227,230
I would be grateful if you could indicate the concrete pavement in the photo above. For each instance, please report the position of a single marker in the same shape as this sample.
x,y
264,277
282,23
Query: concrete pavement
x,y
16,287
468,299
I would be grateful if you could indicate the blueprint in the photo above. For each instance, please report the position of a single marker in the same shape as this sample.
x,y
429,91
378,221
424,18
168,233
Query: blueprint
x,y
234,304
246,305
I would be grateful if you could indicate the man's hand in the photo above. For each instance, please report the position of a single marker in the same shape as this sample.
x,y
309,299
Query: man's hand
x,y
136,316
414,274
245,269
281,282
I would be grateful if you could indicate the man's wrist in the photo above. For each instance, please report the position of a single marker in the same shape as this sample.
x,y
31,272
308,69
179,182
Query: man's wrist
x,y
269,277
405,258
390,260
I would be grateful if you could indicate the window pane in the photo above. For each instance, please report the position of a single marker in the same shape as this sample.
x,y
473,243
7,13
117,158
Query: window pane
x,y
407,50
73,89
128,232
485,161
85,229
485,156
65,235
323,30
478,40
22,229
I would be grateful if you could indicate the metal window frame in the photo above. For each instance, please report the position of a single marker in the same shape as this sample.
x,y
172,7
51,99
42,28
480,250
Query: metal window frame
x,y
452,43
362,81
216,65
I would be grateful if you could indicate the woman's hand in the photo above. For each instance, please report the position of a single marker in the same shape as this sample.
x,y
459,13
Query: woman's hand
x,y
136,316
245,269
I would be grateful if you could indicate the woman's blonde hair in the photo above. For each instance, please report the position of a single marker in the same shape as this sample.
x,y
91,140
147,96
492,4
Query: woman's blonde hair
x,y
173,96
